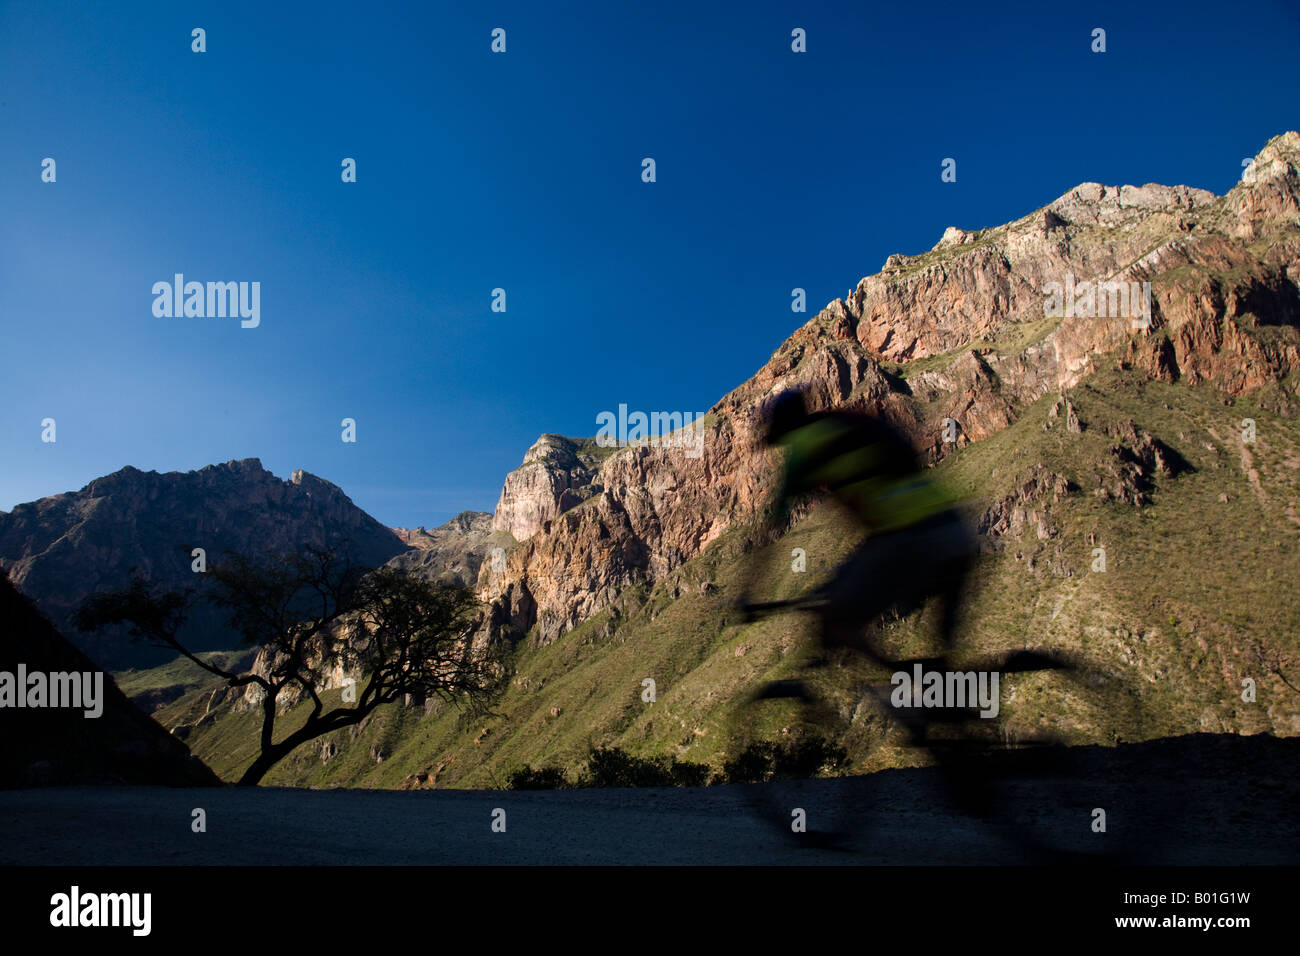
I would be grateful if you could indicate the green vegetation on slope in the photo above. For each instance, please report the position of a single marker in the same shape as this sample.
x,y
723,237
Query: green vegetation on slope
x,y
178,678
1197,581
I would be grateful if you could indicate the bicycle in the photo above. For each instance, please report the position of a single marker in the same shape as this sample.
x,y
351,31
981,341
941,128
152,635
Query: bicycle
x,y
1012,769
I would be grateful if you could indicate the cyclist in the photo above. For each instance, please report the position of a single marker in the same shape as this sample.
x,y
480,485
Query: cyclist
x,y
918,545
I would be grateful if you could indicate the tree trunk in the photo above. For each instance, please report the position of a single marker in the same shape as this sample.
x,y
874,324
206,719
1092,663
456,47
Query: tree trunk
x,y
264,762
273,753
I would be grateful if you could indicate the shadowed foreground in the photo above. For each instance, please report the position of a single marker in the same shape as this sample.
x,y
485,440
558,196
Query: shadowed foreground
x,y
1201,799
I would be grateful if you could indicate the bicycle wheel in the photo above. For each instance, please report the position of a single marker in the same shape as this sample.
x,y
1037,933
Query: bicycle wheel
x,y
790,732
1043,773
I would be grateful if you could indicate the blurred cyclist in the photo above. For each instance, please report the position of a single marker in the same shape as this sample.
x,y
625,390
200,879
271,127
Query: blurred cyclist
x,y
918,545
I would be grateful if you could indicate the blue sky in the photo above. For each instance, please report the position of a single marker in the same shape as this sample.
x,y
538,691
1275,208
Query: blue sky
x,y
523,171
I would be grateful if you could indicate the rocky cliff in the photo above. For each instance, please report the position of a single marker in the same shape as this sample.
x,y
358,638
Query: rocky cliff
x,y
1098,436
557,473
967,332
63,548
452,552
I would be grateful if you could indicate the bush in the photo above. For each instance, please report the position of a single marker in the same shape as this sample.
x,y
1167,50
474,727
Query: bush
x,y
543,778
751,765
808,757
804,756
613,767
687,774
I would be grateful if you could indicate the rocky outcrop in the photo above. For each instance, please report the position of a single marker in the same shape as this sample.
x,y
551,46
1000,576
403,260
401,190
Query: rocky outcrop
x,y
970,288
557,473
1027,508
61,549
962,332
452,552
1128,474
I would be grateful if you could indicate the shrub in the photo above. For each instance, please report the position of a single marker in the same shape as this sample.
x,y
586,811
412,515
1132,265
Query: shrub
x,y
751,765
613,767
804,756
687,774
543,778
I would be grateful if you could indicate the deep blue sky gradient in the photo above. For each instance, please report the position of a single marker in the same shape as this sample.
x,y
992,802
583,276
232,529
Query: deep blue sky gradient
x,y
522,171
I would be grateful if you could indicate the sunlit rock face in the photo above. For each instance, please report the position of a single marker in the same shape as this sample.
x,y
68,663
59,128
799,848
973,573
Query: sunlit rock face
x,y
961,332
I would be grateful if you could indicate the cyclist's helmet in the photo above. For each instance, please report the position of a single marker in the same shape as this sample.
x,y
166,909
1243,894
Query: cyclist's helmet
x,y
784,413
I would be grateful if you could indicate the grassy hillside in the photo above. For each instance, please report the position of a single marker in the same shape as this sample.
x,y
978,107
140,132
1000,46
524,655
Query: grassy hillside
x,y
1196,596
158,686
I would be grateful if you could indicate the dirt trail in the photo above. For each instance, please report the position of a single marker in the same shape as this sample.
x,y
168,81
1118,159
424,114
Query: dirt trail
x,y
1203,799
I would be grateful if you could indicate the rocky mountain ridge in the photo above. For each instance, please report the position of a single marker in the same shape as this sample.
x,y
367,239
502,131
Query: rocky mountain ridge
x,y
452,552
1126,517
958,333
62,548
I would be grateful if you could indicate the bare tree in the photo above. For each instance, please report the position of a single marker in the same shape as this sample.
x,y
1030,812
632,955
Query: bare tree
x,y
1271,659
309,612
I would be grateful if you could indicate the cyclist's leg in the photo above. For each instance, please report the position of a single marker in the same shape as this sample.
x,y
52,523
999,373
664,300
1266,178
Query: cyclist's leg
x,y
903,569
863,587
952,549
937,556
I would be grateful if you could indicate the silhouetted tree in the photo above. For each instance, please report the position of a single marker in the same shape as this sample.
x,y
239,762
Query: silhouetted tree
x,y
308,613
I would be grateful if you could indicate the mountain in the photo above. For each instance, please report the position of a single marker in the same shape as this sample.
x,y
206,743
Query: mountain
x,y
452,552
63,548
1133,468
557,474
957,332
49,746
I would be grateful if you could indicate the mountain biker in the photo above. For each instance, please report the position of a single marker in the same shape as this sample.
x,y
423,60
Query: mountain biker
x,y
918,545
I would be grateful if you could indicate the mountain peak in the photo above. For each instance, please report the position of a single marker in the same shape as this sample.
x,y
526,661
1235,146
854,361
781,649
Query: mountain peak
x,y
237,465
152,521
961,333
